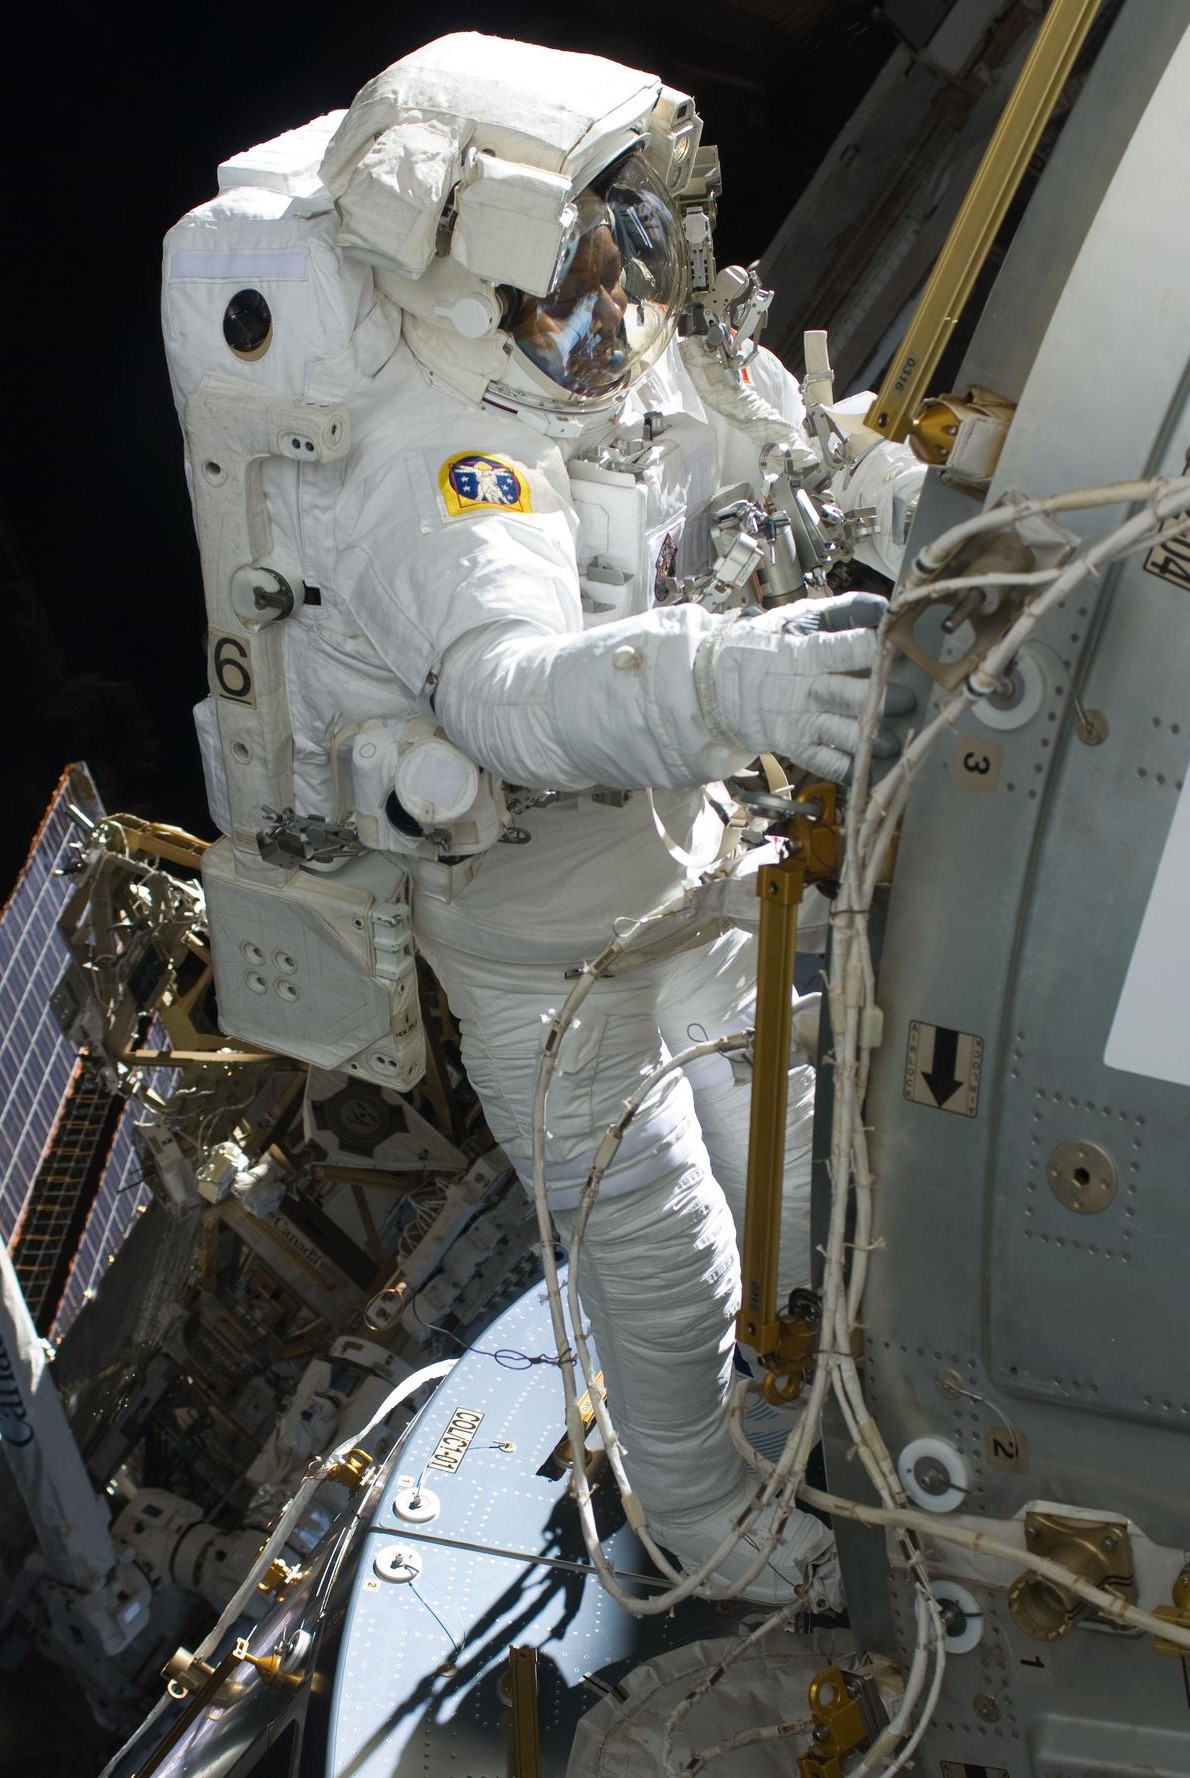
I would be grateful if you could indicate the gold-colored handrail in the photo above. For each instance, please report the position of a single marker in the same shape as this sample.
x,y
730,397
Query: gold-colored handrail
x,y
526,1722
1039,84
784,1344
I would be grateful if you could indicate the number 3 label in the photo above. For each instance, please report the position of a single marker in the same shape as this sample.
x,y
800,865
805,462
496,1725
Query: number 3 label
x,y
231,668
977,762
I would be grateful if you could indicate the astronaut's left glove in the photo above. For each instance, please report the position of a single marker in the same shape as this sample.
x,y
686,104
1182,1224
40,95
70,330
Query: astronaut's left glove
x,y
791,681
846,611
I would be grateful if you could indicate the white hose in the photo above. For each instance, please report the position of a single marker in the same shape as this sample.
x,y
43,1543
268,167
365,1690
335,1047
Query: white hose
x,y
872,816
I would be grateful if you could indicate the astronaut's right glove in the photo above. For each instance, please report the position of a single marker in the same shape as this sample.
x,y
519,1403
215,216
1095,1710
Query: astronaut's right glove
x,y
792,682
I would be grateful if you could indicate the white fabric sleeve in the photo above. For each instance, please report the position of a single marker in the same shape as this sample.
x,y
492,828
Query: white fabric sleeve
x,y
888,476
481,619
768,409
617,705
778,386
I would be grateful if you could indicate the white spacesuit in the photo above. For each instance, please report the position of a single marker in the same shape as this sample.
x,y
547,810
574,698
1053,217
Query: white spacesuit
x,y
531,466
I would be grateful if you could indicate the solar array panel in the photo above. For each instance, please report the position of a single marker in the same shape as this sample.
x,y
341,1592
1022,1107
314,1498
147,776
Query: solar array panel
x,y
123,1193
37,1062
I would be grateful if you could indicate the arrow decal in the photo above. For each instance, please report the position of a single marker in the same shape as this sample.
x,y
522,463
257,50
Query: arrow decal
x,y
943,1067
941,1078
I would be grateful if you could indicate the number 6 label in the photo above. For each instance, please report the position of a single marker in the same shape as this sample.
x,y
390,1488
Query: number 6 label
x,y
231,668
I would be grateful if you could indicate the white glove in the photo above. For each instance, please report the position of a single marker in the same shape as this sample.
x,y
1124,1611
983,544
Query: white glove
x,y
784,682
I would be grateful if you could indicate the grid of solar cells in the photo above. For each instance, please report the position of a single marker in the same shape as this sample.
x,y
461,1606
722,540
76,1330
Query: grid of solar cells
x,y
47,1236
123,1193
36,1061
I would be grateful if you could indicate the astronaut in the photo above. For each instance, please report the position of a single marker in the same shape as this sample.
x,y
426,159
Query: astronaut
x,y
531,467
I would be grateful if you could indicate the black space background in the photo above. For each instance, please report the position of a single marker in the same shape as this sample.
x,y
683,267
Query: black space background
x,y
114,121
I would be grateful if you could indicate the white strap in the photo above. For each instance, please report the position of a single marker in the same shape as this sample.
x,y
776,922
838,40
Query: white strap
x,y
733,829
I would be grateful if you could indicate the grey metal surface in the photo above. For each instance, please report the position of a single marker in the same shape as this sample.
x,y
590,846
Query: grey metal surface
x,y
421,1661
997,1315
855,248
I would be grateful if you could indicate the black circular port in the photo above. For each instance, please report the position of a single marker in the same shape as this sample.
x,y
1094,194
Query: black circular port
x,y
248,324
401,819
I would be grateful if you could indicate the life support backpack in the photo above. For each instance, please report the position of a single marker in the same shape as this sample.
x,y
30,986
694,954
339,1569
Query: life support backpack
x,y
268,331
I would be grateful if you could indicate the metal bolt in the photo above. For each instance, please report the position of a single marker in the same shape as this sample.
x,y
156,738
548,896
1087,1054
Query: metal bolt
x,y
931,1476
965,609
1009,691
986,1708
1090,726
397,1562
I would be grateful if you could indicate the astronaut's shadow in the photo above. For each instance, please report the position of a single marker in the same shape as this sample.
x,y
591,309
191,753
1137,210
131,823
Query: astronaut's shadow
x,y
473,1669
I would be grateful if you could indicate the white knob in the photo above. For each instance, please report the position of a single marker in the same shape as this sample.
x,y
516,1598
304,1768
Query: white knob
x,y
417,1505
474,316
933,1475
